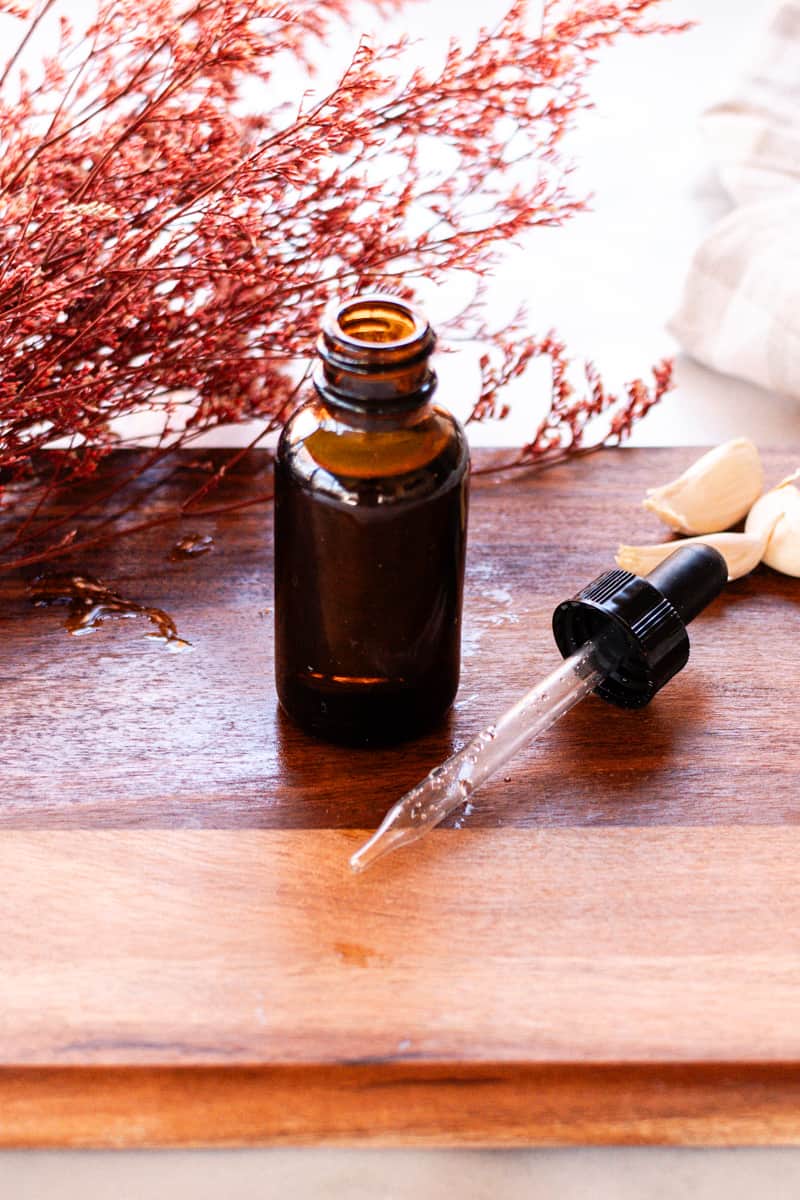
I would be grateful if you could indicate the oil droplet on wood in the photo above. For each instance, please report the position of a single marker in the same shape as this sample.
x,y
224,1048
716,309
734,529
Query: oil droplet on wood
x,y
355,955
192,545
91,601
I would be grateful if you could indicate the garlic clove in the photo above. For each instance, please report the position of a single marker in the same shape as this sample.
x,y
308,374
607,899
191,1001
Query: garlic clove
x,y
741,551
779,511
714,493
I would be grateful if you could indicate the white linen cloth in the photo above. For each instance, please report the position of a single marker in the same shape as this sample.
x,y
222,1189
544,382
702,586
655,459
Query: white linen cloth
x,y
740,311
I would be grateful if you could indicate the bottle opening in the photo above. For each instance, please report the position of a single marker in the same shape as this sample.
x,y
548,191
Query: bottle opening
x,y
377,320
375,352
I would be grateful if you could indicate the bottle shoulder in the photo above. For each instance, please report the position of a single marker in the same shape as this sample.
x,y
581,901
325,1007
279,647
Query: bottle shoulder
x,y
376,465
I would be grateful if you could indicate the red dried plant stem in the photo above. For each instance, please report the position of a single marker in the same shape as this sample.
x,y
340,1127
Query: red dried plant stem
x,y
155,243
101,500
215,479
70,546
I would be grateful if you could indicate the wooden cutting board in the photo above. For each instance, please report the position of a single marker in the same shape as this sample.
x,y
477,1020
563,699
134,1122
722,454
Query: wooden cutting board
x,y
606,949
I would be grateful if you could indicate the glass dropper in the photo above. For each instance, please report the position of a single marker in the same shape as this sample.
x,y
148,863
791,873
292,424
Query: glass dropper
x,y
623,637
450,785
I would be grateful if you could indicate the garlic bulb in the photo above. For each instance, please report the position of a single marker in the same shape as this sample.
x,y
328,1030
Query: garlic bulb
x,y
779,511
714,493
741,551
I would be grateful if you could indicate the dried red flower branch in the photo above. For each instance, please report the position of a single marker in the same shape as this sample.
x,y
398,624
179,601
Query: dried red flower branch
x,y
160,245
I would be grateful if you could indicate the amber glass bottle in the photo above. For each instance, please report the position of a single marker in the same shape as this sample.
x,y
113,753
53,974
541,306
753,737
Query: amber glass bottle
x,y
370,527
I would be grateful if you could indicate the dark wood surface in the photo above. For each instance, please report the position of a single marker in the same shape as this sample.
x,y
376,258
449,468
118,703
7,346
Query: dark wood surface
x,y
112,731
606,949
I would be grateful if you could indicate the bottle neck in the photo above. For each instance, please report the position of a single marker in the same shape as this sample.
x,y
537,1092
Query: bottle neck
x,y
375,368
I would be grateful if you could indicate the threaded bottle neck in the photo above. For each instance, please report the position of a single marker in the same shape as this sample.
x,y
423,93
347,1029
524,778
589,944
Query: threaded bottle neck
x,y
375,352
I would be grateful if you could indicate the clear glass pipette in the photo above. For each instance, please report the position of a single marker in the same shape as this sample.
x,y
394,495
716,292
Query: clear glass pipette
x,y
450,785
631,639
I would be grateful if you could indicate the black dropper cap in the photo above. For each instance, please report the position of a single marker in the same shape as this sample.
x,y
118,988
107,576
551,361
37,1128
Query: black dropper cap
x,y
640,623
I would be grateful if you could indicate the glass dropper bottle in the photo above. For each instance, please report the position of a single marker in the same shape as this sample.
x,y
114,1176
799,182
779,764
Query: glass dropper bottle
x,y
371,498
622,637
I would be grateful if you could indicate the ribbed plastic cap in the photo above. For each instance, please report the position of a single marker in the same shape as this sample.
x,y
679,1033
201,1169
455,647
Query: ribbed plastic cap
x,y
640,623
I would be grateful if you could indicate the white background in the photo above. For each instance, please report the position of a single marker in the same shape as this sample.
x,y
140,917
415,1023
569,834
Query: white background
x,y
608,282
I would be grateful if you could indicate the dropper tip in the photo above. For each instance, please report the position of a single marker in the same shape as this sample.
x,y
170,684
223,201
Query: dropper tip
x,y
365,855
383,841
357,864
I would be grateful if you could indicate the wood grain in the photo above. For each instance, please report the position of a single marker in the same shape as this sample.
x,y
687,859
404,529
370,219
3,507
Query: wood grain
x,y
608,950
112,731
208,947
401,1105
431,1002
